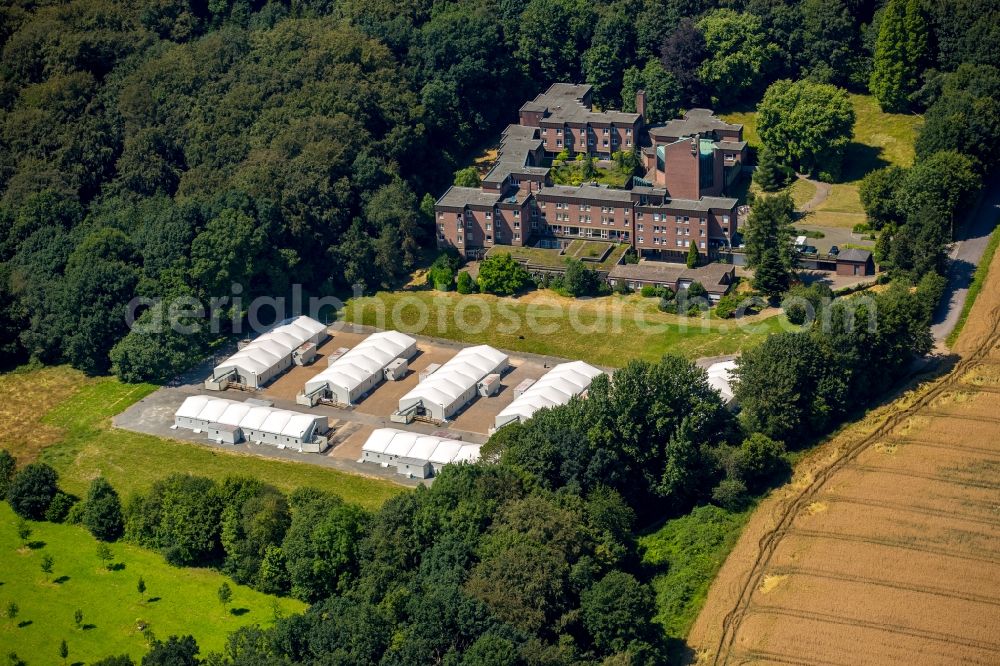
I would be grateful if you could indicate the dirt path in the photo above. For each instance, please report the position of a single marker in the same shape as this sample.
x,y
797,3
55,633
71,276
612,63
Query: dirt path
x,y
883,548
822,192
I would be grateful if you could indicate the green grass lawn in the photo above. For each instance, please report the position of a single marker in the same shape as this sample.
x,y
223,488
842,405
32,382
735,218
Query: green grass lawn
x,y
880,139
78,441
177,600
571,173
607,331
686,554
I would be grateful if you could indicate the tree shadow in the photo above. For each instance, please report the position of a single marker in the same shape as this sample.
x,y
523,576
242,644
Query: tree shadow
x,y
36,545
239,612
152,600
859,159
117,566
62,579
25,623
88,627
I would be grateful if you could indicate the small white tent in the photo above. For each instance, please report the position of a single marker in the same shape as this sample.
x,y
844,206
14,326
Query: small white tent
x,y
270,354
556,388
414,454
720,377
454,383
361,369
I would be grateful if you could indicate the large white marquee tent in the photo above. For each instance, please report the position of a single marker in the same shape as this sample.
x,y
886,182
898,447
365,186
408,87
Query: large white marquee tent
x,y
555,388
232,421
455,383
414,454
271,353
362,368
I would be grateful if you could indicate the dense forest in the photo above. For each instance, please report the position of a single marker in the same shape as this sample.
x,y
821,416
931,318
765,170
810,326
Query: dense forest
x,y
165,148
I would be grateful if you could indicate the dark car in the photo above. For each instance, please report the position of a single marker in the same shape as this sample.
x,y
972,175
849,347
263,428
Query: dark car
x,y
834,249
809,249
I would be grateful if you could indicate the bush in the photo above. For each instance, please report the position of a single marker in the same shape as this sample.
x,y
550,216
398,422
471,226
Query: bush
x,y
500,274
441,275
580,280
465,283
730,494
656,291
7,468
727,306
60,507
800,299
696,290
76,512
32,490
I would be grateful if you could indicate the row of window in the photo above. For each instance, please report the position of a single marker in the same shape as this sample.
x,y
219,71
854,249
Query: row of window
x,y
663,241
590,130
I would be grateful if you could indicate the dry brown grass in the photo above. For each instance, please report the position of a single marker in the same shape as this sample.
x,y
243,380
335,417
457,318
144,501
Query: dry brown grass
x,y
25,397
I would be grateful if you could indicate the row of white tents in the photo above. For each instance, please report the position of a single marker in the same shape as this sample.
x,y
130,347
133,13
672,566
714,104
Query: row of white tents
x,y
455,383
232,421
556,388
413,454
268,355
362,368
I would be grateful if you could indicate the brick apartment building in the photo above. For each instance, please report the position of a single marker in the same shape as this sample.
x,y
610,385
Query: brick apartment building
x,y
690,164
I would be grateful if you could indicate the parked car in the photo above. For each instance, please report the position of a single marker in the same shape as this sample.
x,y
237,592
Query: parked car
x,y
809,249
834,250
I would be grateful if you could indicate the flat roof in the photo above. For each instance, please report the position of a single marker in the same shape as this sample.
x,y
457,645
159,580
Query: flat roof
x,y
695,121
563,102
459,197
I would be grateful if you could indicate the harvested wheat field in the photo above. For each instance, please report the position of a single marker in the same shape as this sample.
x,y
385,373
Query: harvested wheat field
x,y
885,547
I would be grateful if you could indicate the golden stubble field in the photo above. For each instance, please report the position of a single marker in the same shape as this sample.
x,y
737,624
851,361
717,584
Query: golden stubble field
x,y
885,547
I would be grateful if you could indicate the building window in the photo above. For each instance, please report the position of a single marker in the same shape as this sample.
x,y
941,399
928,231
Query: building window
x,y
559,144
639,239
558,132
441,226
605,143
687,243
489,216
517,225
489,227
517,213
638,227
441,216
517,236
725,219
702,234
704,220
638,215
702,244
628,131
460,241
679,242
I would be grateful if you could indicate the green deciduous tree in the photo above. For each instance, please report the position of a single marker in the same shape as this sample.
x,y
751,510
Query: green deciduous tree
x,y
467,177
806,125
879,195
616,612
500,274
663,93
32,489
739,54
103,511
901,52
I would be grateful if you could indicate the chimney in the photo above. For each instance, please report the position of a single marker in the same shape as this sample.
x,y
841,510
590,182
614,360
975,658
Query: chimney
x,y
640,103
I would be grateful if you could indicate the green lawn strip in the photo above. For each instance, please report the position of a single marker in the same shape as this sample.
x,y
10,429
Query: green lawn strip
x,y
978,279
606,331
685,555
801,191
177,600
132,461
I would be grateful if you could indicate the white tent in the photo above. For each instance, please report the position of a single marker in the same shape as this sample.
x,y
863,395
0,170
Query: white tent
x,y
271,353
254,423
361,369
556,388
414,454
720,377
454,383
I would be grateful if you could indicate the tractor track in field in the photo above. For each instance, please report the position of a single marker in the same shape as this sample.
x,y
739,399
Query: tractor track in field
x,y
789,510
910,508
880,582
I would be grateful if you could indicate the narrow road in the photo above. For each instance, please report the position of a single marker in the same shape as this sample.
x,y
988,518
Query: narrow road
x,y
966,252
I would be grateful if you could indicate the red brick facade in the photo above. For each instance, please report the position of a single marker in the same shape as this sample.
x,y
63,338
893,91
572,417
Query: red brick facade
x,y
690,163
